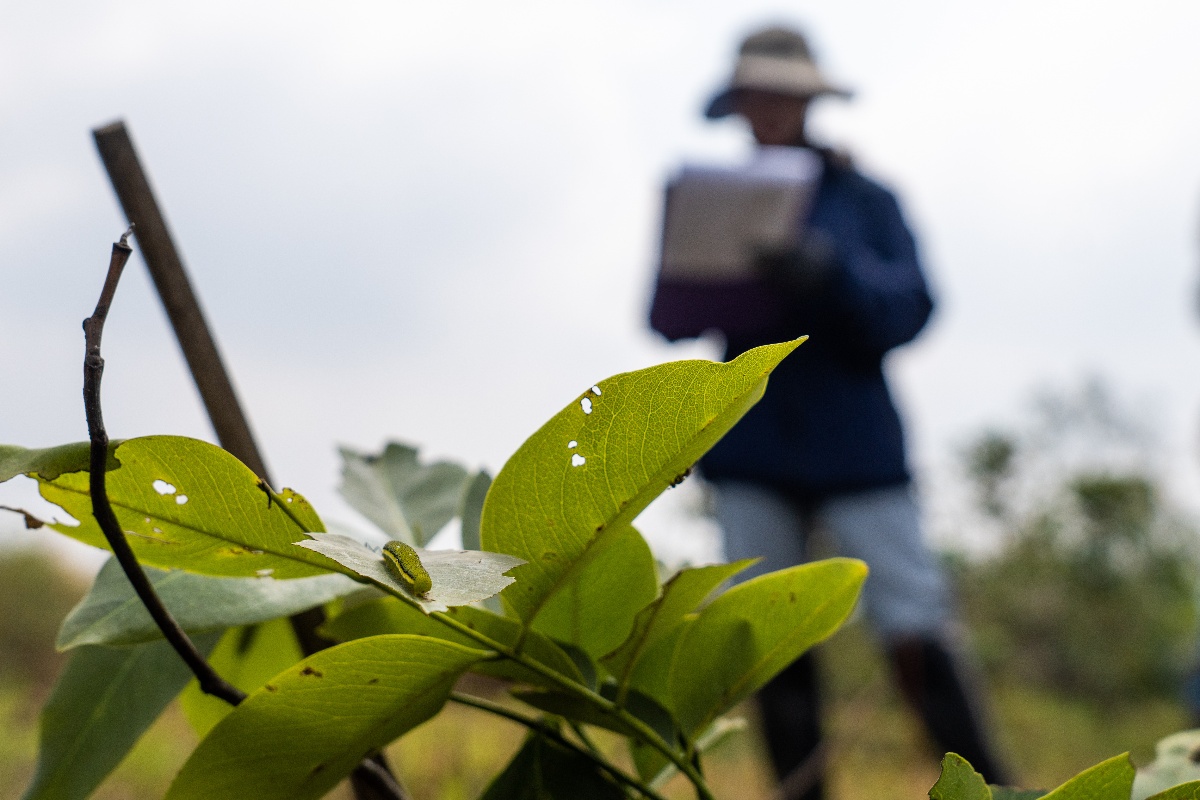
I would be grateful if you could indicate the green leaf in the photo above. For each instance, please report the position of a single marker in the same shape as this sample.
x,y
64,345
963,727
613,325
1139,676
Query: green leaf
x,y
471,510
597,603
103,702
544,770
596,464
112,613
408,500
1008,793
681,595
48,463
1174,764
389,615
959,781
460,577
572,707
1108,780
656,770
208,514
651,673
304,731
1184,791
246,657
754,630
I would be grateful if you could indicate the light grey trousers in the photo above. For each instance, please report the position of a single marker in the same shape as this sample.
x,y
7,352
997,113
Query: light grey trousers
x,y
905,594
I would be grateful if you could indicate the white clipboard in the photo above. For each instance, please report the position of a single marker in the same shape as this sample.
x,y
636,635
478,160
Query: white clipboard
x,y
716,219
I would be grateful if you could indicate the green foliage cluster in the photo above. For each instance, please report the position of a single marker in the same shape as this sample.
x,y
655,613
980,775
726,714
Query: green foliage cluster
x,y
584,631
1092,590
556,594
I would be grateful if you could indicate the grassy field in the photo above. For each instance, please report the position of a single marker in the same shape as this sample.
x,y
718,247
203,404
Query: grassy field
x,y
878,750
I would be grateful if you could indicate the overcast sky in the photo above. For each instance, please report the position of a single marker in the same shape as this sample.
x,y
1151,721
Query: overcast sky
x,y
436,222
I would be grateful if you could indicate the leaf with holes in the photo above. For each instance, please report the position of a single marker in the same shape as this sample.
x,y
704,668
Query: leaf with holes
x,y
460,577
188,504
597,463
751,632
113,614
299,735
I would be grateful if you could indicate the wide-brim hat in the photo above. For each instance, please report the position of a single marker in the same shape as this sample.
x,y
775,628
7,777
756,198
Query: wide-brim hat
x,y
774,60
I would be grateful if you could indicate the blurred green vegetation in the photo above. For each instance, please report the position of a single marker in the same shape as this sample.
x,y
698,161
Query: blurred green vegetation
x,y
1082,616
879,749
1091,591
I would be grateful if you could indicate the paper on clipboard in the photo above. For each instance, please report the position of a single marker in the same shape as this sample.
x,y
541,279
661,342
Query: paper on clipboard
x,y
717,218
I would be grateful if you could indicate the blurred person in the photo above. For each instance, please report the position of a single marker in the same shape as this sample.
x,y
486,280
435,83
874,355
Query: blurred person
x,y
825,447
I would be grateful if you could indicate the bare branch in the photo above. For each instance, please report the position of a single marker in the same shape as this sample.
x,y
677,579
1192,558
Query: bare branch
x,y
93,371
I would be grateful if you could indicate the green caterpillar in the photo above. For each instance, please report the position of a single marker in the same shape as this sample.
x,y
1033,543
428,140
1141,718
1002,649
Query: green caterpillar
x,y
404,563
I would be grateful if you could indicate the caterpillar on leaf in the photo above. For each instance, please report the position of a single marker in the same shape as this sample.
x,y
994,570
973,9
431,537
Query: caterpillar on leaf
x,y
404,563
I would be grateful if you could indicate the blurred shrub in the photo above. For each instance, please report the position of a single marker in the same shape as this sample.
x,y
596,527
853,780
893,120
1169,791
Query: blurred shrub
x,y
1092,590
35,594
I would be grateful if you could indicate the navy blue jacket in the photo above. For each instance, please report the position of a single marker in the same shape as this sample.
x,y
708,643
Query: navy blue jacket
x,y
827,423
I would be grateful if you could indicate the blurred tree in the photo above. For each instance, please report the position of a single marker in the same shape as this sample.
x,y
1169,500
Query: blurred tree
x,y
1092,591
35,594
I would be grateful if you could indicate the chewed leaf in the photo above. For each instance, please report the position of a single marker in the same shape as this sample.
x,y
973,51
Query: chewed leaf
x,y
190,505
597,463
460,577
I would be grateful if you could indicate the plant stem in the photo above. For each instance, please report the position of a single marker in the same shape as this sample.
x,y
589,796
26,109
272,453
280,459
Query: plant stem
x,y
643,731
550,733
372,773
93,370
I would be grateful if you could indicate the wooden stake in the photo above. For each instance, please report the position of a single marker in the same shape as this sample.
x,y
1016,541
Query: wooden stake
x,y
183,308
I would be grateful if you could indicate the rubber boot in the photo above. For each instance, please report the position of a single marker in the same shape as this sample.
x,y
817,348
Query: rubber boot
x,y
792,726
932,682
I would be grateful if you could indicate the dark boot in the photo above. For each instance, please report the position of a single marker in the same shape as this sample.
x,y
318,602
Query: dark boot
x,y
932,683
792,726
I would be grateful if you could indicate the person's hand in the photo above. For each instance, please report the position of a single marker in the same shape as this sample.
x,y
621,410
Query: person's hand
x,y
805,267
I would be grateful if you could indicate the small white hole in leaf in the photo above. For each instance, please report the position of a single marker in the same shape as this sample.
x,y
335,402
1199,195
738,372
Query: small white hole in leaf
x,y
571,445
288,499
162,487
586,405
264,573
157,530
578,460
596,391
181,499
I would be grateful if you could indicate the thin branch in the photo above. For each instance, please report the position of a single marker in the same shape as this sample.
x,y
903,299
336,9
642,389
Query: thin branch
x,y
372,778
371,772
549,732
93,371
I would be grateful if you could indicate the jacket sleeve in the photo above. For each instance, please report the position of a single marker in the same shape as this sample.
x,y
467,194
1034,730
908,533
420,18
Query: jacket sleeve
x,y
878,294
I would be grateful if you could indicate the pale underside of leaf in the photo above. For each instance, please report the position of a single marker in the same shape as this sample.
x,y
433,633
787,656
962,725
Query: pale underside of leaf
x,y
113,614
460,577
